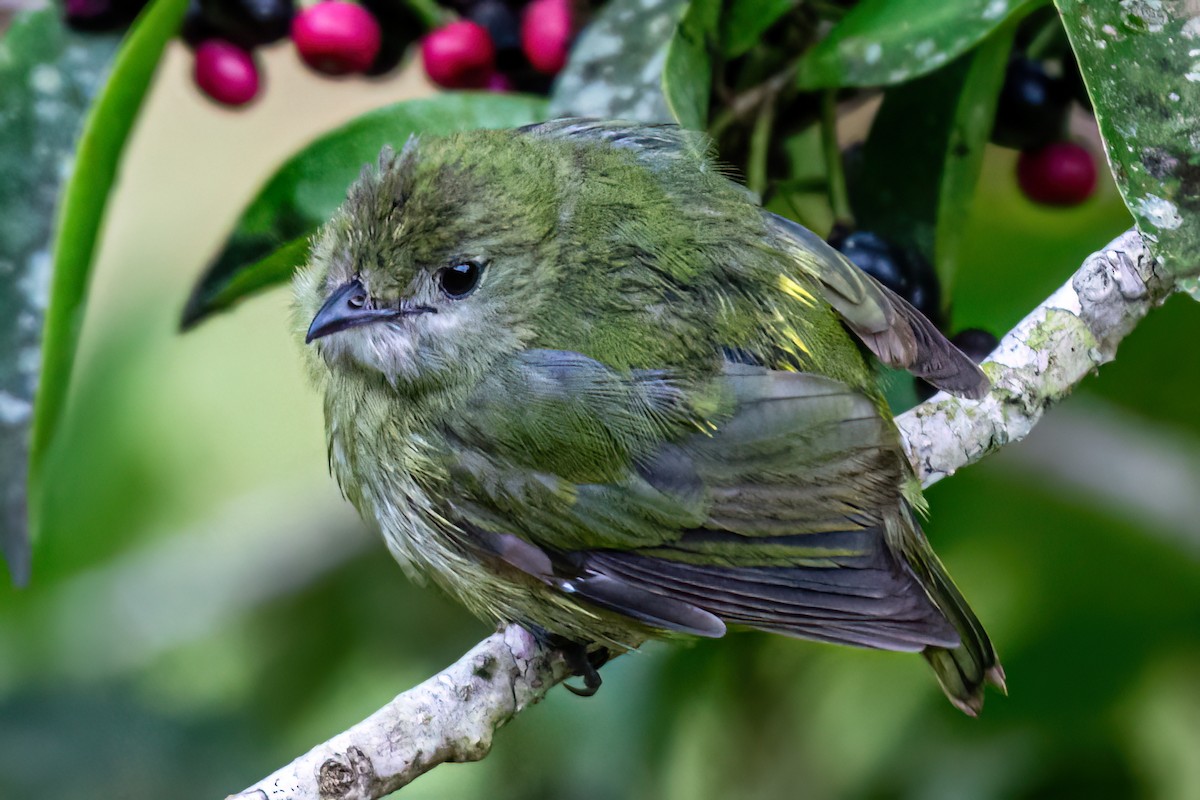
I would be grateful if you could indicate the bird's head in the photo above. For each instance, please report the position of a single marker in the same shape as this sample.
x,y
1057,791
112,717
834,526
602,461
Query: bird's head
x,y
436,264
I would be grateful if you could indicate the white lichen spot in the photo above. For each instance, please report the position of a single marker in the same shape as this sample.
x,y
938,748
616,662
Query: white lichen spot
x,y
28,322
924,48
1194,75
29,360
872,53
1173,97
1191,28
45,79
603,46
14,410
1150,12
897,76
995,9
1160,213
35,283
1194,139
1110,31
1101,44
654,67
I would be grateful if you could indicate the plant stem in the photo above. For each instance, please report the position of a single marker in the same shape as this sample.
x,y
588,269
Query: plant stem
x,y
760,145
839,197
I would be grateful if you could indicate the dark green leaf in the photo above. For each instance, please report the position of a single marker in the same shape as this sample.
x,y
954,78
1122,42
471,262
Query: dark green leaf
x,y
746,20
884,42
270,238
922,160
615,70
687,76
81,211
43,96
1139,62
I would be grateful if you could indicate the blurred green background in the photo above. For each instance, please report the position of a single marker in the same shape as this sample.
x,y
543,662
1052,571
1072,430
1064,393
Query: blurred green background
x,y
204,607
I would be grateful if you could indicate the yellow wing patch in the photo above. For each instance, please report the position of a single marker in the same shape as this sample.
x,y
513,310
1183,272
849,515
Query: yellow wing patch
x,y
790,287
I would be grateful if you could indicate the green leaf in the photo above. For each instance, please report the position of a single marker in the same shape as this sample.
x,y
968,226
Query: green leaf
x,y
885,42
270,238
1139,62
81,212
923,158
747,20
615,70
687,76
43,96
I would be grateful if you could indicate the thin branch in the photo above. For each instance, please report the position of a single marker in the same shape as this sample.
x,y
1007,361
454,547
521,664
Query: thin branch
x,y
1041,360
453,715
450,717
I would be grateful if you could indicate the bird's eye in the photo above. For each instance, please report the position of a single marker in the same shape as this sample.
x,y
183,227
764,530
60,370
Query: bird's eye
x,y
461,279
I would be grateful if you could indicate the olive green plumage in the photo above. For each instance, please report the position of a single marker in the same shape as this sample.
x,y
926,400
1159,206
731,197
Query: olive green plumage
x,y
583,381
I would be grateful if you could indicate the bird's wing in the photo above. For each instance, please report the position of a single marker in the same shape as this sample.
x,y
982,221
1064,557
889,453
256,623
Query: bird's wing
x,y
780,514
898,334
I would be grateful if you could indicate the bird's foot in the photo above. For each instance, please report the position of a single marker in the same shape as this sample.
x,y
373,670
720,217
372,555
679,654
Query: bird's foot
x,y
585,665
583,662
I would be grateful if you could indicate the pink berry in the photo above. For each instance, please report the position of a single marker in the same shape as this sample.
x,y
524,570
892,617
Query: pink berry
x,y
336,37
459,55
546,34
1059,174
226,72
499,82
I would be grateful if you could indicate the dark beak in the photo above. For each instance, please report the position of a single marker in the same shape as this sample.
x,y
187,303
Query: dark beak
x,y
347,308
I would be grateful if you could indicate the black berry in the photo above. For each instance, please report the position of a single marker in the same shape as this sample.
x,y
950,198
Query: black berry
x,y
1032,108
504,26
399,25
197,27
100,15
249,23
905,272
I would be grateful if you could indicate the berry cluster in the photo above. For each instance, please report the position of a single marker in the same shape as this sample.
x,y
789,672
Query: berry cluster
x,y
499,45
1031,116
502,45
334,37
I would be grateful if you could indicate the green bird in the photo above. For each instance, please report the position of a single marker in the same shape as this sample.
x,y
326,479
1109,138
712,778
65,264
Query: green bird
x,y
580,379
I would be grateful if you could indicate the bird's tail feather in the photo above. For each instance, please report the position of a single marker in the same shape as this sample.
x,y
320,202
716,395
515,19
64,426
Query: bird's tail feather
x,y
965,670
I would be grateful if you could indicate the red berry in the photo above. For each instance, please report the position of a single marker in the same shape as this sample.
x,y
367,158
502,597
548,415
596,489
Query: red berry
x,y
226,72
1059,174
336,37
459,55
546,34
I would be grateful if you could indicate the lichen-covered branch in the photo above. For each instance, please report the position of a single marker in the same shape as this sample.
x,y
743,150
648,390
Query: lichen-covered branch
x,y
450,717
453,715
1041,360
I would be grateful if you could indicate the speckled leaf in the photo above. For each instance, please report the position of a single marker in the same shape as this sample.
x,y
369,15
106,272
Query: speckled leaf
x,y
687,76
884,42
1140,60
81,207
47,77
923,158
270,238
616,67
